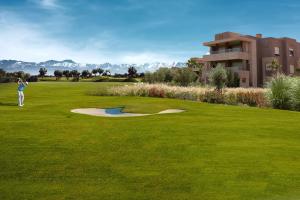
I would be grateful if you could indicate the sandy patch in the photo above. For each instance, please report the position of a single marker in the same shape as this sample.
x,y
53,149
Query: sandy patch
x,y
103,113
171,111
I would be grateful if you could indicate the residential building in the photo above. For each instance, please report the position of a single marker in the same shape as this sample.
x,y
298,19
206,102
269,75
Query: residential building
x,y
251,56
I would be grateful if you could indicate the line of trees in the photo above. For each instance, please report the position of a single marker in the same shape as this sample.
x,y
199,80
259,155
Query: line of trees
x,y
76,75
6,77
192,75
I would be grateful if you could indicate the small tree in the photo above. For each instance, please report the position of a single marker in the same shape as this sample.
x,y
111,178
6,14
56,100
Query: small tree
x,y
106,73
20,74
132,72
67,74
275,66
27,76
233,79
100,71
43,72
183,76
95,72
280,93
218,76
2,73
85,73
196,67
58,74
75,75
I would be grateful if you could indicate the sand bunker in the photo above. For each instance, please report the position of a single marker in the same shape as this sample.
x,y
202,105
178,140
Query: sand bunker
x,y
117,112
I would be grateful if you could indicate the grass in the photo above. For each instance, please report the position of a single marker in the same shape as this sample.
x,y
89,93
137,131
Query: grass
x,y
208,152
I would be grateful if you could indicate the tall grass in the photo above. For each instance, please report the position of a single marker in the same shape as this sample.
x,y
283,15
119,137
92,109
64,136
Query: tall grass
x,y
280,93
296,96
232,96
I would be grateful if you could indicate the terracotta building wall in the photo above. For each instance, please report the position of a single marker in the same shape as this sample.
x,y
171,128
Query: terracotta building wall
x,y
257,54
266,52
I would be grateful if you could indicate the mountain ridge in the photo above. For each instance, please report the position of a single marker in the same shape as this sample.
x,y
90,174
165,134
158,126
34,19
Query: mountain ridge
x,y
68,64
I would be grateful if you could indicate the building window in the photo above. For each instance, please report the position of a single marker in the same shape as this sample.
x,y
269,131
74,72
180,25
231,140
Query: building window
x,y
277,51
292,69
291,52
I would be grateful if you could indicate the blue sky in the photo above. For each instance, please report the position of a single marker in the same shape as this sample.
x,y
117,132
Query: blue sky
x,y
134,31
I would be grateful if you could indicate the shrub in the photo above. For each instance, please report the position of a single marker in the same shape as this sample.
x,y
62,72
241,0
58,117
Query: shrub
x,y
296,95
214,96
233,79
6,79
179,76
218,76
156,92
280,95
33,79
230,99
184,76
163,74
128,80
251,98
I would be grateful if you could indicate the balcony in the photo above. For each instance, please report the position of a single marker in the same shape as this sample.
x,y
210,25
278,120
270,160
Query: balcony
x,y
227,54
226,51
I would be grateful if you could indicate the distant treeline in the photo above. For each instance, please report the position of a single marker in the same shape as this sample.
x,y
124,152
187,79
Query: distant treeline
x,y
191,75
97,74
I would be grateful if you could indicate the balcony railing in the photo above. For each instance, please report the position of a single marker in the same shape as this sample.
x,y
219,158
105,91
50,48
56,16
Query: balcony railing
x,y
227,55
227,51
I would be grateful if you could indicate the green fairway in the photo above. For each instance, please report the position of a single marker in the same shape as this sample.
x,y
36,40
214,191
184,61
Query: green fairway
x,y
210,151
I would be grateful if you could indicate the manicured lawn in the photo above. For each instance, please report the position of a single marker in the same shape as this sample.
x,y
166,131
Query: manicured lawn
x,y
208,152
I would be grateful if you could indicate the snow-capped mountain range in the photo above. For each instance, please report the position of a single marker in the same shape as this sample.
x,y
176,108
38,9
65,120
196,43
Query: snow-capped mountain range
x,y
52,65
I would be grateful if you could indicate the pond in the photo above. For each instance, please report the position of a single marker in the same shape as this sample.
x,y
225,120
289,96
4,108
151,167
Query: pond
x,y
114,111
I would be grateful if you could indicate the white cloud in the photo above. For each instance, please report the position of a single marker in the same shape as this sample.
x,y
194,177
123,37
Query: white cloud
x,y
47,4
25,41
144,57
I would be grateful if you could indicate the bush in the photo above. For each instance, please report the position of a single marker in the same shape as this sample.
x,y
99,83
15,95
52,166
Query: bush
x,y
230,99
33,79
75,79
280,95
6,79
218,77
251,98
179,76
156,92
233,79
296,95
214,96
163,74
130,79
184,76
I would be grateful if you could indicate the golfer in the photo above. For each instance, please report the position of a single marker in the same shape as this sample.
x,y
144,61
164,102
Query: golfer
x,y
21,87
